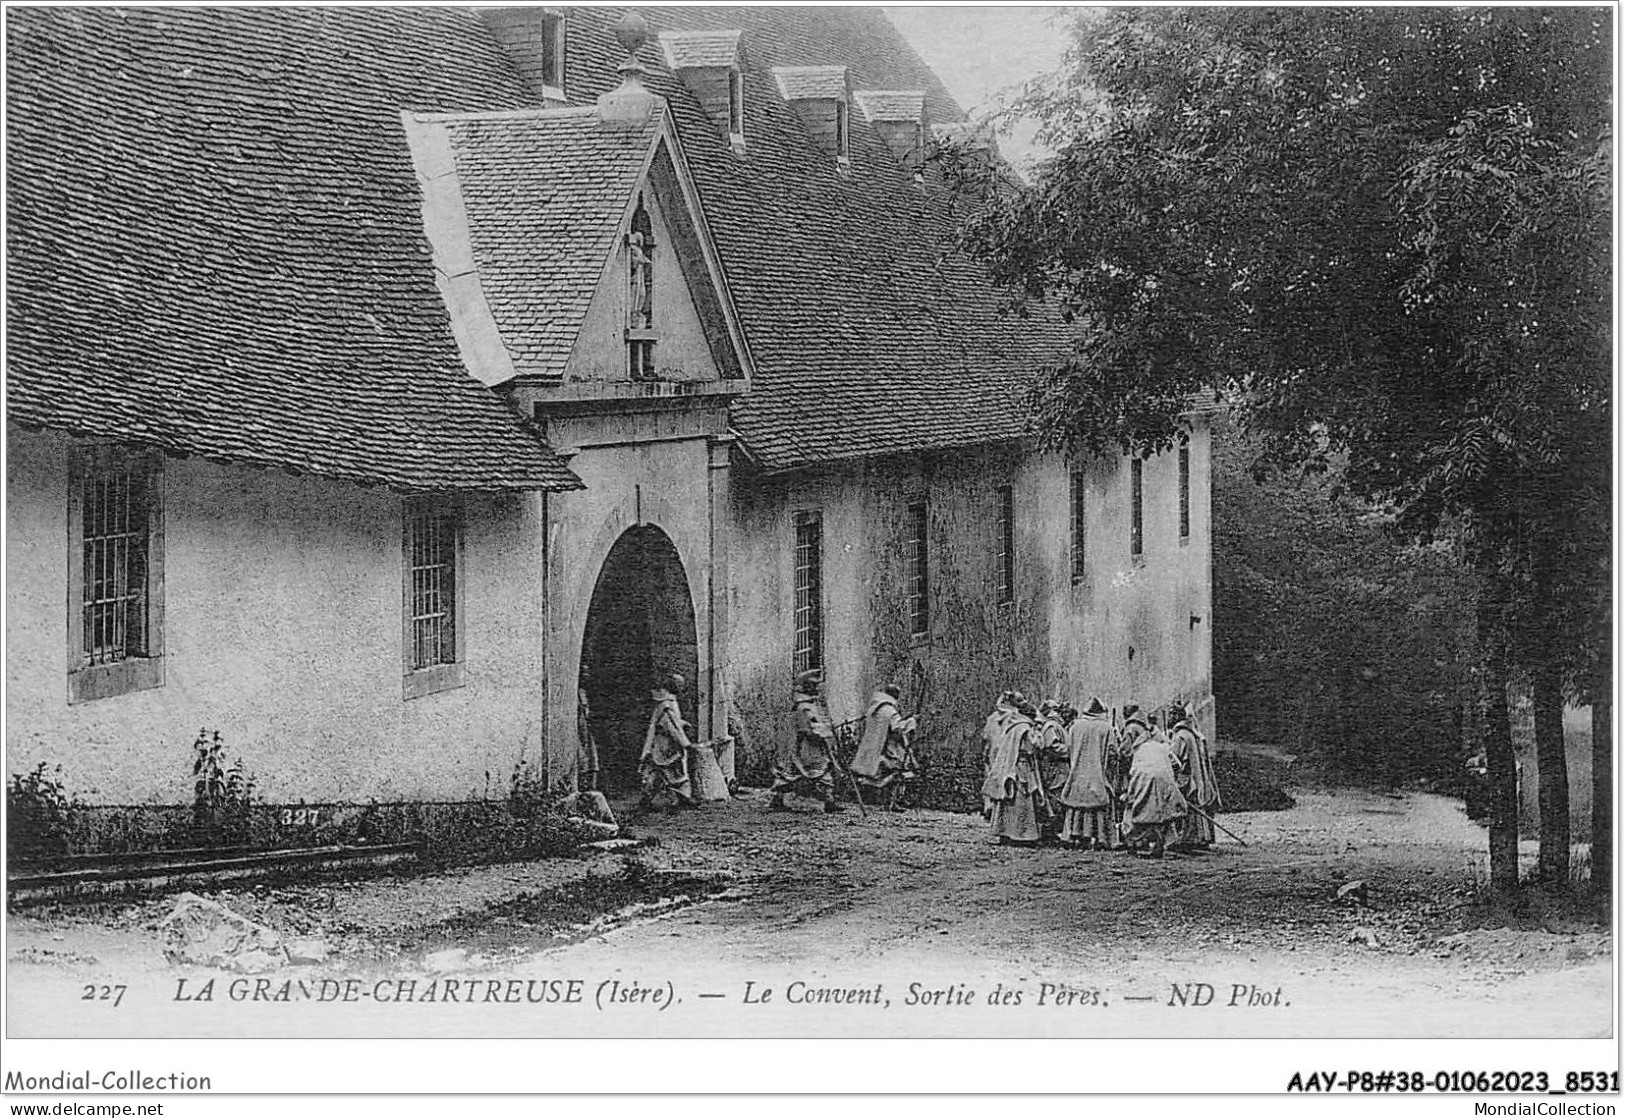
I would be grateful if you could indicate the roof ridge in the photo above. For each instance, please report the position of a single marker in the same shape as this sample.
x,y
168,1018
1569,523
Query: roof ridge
x,y
545,112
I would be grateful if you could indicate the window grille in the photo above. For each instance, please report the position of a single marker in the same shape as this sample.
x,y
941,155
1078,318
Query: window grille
x,y
1007,543
433,618
917,560
809,608
1185,490
1137,512
115,505
1079,555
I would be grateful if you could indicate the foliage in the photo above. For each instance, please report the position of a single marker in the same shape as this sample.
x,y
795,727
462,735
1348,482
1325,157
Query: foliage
x,y
528,790
221,797
1333,638
1385,233
38,813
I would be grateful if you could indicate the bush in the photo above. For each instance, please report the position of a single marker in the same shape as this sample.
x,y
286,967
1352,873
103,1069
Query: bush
x,y
37,813
221,797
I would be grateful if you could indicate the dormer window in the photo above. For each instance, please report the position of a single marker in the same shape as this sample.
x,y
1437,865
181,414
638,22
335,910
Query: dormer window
x,y
711,64
736,107
640,274
820,96
552,54
897,116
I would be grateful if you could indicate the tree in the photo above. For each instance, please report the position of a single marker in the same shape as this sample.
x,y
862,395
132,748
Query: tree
x,y
1385,234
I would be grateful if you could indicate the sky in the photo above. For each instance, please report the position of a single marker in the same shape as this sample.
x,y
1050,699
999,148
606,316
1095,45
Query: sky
x,y
982,52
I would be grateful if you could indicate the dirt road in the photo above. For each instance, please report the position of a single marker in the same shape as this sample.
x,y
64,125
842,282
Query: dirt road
x,y
746,922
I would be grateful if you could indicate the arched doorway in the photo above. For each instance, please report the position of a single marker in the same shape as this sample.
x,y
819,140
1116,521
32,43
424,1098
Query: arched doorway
x,y
640,621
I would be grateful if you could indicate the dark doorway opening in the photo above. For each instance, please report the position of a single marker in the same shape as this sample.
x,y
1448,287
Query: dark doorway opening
x,y
640,621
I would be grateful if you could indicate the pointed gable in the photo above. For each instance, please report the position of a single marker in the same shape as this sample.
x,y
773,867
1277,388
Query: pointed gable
x,y
528,213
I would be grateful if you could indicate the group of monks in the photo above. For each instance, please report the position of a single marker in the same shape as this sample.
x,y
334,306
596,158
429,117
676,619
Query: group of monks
x,y
1054,773
1083,779
688,773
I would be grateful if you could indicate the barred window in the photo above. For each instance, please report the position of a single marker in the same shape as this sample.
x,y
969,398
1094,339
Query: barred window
x,y
1185,489
917,561
1079,555
1137,509
114,506
433,593
116,572
809,609
1007,543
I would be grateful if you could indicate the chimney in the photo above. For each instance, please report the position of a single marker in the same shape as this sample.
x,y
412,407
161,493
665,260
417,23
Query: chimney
x,y
708,63
534,38
819,96
631,104
898,118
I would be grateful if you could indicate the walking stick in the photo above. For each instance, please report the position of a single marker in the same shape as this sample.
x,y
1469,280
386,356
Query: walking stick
x,y
857,794
1215,822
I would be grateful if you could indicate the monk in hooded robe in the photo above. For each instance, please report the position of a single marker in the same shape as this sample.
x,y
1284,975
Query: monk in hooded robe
x,y
663,765
1198,781
1054,760
883,761
805,765
1153,805
1013,785
1086,796
992,734
1129,735
588,764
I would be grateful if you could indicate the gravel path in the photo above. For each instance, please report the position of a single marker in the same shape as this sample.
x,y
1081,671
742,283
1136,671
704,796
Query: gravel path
x,y
912,902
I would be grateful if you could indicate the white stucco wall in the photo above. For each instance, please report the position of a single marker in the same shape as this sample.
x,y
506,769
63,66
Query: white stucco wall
x,y
283,630
1056,638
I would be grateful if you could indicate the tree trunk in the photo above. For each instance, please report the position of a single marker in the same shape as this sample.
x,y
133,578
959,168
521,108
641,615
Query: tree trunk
x,y
1502,763
1602,793
1547,692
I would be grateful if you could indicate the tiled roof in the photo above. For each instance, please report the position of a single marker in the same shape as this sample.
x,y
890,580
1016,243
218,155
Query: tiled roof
x,y
891,104
870,335
216,244
804,83
544,193
700,49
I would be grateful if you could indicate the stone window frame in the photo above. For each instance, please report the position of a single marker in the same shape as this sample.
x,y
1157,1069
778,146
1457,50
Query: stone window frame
x,y
808,656
1078,508
431,679
917,567
88,681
